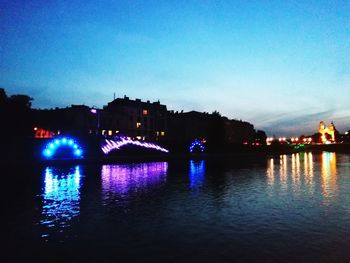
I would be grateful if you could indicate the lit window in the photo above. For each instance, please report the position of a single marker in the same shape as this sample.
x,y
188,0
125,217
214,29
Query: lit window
x,y
110,132
138,124
162,133
157,133
116,131
145,112
103,132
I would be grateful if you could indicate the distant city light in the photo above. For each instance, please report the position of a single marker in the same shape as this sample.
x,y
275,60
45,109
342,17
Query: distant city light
x,y
94,111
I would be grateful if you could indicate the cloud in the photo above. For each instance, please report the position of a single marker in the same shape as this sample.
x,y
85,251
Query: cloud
x,y
297,125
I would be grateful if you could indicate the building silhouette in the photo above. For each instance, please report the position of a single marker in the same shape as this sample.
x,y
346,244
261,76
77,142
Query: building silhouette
x,y
138,119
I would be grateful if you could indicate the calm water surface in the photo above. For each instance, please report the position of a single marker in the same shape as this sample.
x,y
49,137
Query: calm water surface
x,y
289,208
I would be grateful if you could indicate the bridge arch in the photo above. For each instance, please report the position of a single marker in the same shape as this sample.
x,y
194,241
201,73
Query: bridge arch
x,y
53,145
197,145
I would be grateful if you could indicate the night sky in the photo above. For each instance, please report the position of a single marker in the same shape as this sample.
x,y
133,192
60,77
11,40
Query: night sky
x,y
281,65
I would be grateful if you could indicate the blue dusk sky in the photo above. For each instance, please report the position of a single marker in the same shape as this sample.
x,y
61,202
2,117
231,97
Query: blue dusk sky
x,y
281,65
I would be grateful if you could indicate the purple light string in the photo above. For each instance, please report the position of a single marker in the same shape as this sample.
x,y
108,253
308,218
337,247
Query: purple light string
x,y
116,145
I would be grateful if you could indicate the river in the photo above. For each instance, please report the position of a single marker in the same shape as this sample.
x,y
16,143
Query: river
x,y
287,208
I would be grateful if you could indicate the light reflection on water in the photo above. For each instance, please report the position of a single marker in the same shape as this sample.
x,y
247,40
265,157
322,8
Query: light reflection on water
x,y
329,176
61,197
197,171
120,181
296,173
309,170
300,199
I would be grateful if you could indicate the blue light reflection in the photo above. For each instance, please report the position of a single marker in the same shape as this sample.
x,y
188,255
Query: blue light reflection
x,y
197,171
61,198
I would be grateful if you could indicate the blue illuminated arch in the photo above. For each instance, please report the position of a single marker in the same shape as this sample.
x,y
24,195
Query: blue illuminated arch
x,y
51,147
197,144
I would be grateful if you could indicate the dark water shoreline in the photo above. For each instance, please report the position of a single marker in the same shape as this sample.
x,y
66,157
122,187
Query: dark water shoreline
x,y
236,154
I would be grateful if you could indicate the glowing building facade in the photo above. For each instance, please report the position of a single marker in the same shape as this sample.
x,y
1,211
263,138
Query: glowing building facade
x,y
327,133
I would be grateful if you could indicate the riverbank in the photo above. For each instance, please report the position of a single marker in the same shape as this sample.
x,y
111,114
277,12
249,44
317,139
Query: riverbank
x,y
236,154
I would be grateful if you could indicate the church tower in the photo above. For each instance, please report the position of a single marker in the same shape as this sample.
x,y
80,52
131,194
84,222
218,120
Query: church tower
x,y
327,133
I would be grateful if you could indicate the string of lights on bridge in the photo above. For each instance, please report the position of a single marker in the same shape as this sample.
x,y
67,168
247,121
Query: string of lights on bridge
x,y
51,148
124,141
